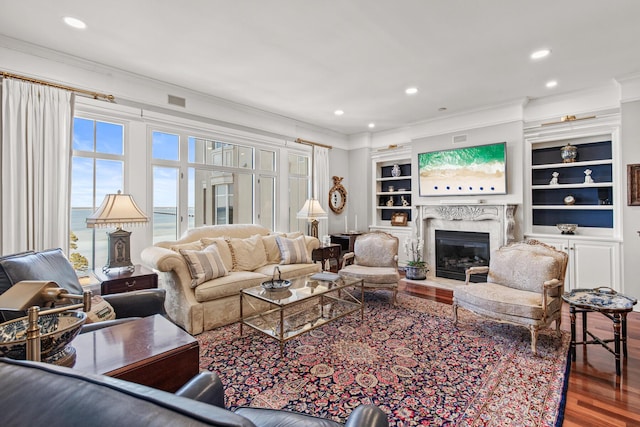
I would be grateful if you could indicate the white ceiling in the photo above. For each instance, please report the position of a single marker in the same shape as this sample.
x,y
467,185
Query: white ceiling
x,y
304,59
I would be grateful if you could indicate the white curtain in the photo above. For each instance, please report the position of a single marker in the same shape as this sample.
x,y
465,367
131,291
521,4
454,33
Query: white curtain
x,y
35,167
322,181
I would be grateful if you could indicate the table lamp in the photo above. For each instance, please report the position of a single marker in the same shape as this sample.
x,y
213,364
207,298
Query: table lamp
x,y
118,210
311,210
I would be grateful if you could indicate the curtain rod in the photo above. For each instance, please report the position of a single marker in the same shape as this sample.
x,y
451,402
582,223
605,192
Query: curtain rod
x,y
305,142
94,95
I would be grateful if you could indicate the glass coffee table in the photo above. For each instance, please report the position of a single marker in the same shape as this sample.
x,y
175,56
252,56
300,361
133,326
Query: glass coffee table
x,y
610,304
305,305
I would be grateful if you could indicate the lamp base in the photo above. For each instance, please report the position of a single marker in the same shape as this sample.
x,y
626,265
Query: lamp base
x,y
314,228
119,250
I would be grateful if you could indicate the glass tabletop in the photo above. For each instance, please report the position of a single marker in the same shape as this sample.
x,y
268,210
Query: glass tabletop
x,y
301,288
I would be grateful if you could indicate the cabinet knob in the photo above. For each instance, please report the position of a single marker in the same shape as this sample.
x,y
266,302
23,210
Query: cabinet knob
x,y
130,284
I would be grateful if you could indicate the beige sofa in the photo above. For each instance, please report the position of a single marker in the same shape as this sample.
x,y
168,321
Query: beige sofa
x,y
249,253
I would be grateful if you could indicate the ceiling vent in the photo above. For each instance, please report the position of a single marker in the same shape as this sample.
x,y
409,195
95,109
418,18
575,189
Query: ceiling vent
x,y
457,139
177,101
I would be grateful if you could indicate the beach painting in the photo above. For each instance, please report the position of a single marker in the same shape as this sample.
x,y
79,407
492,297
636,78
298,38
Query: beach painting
x,y
477,170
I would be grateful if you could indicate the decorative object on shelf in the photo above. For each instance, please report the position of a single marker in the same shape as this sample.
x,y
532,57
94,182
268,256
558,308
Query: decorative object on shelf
x,y
390,201
569,200
337,195
554,180
402,189
569,153
118,210
391,189
404,201
396,171
567,228
399,219
633,184
587,176
326,240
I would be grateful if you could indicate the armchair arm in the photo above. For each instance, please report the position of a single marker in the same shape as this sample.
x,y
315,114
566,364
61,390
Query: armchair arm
x,y
547,286
205,387
142,303
475,270
367,415
553,283
347,259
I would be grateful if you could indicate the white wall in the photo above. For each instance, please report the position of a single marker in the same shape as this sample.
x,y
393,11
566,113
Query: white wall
x,y
631,214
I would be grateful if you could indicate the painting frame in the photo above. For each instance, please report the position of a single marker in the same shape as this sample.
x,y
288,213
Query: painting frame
x,y
464,171
399,219
633,184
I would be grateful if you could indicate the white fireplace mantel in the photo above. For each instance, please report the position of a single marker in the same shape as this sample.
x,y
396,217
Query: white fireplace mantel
x,y
497,220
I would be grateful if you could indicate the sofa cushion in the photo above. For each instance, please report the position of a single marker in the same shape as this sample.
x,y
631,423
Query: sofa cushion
x,y
293,251
191,246
533,269
289,271
271,245
204,265
248,254
223,249
50,265
228,285
499,299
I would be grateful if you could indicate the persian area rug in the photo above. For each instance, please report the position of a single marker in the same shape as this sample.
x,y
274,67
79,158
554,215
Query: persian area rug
x,y
410,360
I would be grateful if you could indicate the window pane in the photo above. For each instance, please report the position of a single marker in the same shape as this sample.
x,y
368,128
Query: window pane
x,y
109,138
245,157
109,178
298,188
267,160
165,203
298,165
244,196
82,134
267,201
166,146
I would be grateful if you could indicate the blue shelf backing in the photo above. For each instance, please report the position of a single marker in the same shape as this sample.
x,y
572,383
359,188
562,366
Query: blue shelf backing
x,y
584,218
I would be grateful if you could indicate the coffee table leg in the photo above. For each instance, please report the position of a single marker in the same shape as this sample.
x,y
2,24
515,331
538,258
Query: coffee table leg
x,y
241,316
572,316
616,338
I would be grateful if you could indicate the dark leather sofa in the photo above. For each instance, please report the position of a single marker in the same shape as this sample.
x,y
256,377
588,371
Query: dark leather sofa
x,y
38,394
53,265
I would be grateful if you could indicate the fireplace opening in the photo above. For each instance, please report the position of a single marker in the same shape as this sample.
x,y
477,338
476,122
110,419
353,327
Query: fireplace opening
x,y
458,250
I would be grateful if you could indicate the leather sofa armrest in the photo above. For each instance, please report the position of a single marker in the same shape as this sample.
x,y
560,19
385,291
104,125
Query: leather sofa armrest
x,y
205,387
367,415
142,303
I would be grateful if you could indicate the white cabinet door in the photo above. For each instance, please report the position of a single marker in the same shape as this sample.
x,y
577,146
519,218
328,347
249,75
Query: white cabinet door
x,y
594,264
591,263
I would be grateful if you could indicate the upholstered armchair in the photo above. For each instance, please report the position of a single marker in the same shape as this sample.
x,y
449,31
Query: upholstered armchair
x,y
525,283
374,260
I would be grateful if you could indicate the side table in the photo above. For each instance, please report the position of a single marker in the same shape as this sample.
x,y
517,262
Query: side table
x,y
126,281
610,304
327,253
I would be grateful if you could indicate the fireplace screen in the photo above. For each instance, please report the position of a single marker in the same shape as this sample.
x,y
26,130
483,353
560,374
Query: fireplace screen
x,y
458,250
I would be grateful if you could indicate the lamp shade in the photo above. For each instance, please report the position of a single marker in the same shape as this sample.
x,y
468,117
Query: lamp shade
x,y
311,210
117,210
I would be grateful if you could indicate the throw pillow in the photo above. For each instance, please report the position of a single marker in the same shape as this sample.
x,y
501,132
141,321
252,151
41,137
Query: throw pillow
x,y
100,311
293,251
223,249
191,246
271,248
204,265
248,254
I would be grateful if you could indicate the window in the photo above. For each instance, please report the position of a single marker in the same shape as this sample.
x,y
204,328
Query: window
x,y
298,188
226,183
97,169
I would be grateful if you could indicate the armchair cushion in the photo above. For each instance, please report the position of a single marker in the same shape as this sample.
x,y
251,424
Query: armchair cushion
x,y
371,275
522,269
372,251
50,265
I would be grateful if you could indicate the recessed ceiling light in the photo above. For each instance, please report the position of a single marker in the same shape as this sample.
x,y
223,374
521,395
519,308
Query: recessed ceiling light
x,y
442,109
411,91
372,125
539,54
338,112
74,22
552,83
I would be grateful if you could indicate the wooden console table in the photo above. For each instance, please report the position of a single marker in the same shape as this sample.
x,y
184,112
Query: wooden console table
x,y
150,351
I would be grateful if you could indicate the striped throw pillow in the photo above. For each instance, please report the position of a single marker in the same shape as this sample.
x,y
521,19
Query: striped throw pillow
x,y
204,265
293,251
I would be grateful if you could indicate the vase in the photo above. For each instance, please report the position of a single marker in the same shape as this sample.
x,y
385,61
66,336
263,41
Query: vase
x,y
415,273
395,171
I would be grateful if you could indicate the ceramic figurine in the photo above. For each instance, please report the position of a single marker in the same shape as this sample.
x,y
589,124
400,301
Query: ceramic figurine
x,y
404,201
390,201
587,177
554,180
395,171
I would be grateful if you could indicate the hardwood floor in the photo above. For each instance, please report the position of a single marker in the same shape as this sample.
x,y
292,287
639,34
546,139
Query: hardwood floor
x,y
595,395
